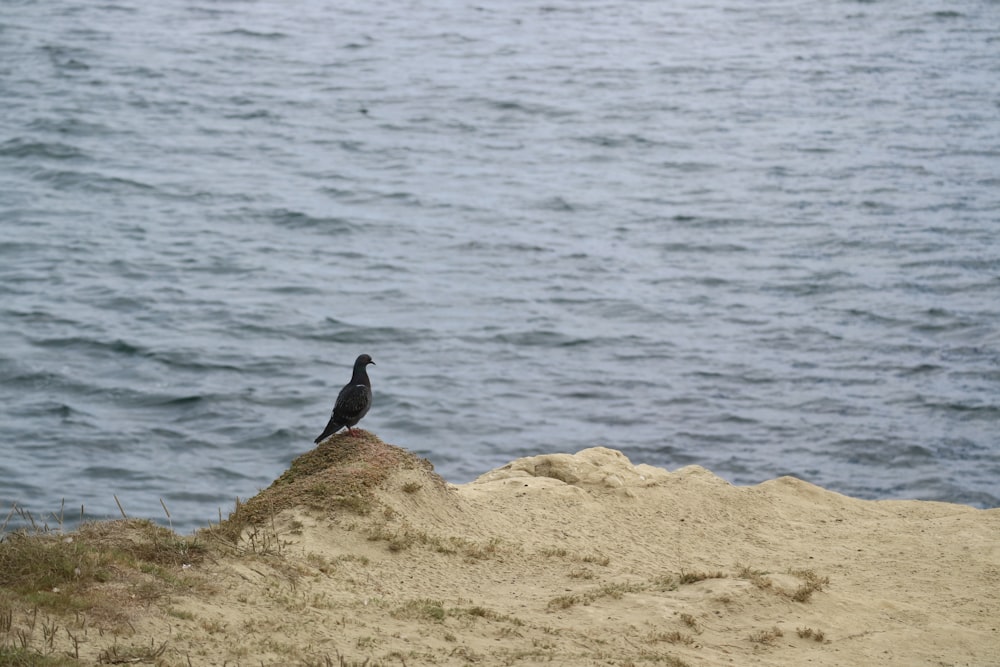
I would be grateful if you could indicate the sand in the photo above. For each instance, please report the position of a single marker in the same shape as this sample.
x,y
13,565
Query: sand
x,y
582,559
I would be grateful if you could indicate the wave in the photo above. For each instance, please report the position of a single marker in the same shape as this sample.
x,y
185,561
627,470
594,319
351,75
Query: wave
x,y
255,34
64,179
28,148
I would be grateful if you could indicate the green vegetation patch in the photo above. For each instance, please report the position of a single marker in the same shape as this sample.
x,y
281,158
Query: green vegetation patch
x,y
63,572
11,656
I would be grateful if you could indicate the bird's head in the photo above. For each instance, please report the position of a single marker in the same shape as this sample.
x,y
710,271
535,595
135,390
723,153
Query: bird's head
x,y
363,361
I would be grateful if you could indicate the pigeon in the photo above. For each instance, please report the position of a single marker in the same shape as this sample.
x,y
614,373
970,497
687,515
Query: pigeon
x,y
353,400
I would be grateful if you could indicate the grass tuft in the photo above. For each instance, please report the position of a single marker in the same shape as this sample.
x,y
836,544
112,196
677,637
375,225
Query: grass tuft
x,y
809,633
673,637
690,621
768,637
686,577
811,584
488,614
421,609
133,653
757,577
611,590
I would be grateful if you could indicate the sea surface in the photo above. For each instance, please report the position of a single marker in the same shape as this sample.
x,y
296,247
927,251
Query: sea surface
x,y
761,237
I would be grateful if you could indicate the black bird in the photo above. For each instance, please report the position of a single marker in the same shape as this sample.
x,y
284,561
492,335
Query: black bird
x,y
353,401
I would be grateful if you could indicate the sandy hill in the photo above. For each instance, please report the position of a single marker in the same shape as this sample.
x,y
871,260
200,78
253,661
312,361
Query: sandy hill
x,y
361,554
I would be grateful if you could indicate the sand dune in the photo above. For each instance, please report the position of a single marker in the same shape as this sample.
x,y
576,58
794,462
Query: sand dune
x,y
361,553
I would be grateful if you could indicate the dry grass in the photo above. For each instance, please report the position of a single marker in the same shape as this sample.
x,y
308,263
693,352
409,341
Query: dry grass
x,y
811,583
589,558
422,609
596,559
757,577
686,577
809,633
673,637
429,610
486,613
404,536
132,653
768,637
655,659
557,552
611,590
665,583
564,602
690,621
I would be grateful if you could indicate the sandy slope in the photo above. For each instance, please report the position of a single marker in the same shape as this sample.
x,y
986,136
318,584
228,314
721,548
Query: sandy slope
x,y
576,560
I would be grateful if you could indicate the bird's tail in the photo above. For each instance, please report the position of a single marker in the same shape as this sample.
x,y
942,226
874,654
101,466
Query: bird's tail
x,y
331,428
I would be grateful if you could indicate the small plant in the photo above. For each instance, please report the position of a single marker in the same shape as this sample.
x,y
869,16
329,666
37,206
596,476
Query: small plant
x,y
809,633
213,626
421,609
673,637
616,591
694,577
180,613
396,540
488,614
480,551
320,562
351,558
563,602
811,583
665,582
689,620
341,661
412,487
562,552
756,577
611,590
596,559
767,637
134,653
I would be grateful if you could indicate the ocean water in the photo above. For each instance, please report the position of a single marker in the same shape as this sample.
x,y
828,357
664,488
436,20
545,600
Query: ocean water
x,y
759,237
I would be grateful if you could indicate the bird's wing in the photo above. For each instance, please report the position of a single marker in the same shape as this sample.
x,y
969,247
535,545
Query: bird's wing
x,y
352,400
